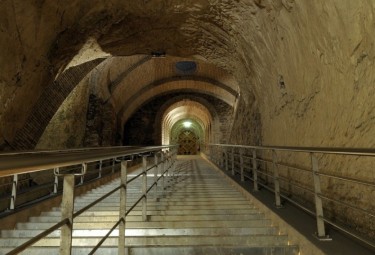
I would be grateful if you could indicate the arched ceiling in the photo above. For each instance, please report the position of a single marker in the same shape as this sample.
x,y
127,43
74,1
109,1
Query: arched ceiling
x,y
184,109
45,39
148,126
128,82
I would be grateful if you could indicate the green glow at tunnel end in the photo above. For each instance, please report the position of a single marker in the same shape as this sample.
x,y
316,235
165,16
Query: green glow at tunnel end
x,y
187,124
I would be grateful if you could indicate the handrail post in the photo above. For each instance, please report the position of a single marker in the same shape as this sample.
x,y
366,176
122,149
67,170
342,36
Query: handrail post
x,y
255,169
321,234
226,159
113,165
215,154
173,158
166,169
162,171
156,172
14,192
166,165
221,158
276,180
241,165
213,151
144,188
218,156
56,181
121,241
67,207
100,168
232,161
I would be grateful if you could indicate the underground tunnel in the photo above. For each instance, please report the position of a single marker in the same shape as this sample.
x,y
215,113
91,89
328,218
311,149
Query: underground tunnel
x,y
284,73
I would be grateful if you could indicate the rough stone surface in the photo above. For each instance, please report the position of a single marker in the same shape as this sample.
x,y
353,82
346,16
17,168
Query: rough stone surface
x,y
47,104
304,69
67,127
101,123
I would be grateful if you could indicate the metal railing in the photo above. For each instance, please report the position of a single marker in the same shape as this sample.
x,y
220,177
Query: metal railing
x,y
309,179
163,166
22,190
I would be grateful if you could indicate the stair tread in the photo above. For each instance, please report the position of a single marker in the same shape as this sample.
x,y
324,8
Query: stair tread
x,y
181,250
253,240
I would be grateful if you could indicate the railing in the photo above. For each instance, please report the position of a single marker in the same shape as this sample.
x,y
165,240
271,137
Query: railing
x,y
163,165
22,190
314,179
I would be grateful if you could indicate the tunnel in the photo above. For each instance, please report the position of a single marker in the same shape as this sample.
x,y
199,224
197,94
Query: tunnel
x,y
86,74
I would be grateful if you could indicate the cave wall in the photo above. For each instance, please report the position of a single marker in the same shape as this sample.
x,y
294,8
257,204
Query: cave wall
x,y
309,73
310,70
305,68
246,124
67,127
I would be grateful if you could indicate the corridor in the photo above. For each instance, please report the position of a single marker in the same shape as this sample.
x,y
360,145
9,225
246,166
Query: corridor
x,y
279,93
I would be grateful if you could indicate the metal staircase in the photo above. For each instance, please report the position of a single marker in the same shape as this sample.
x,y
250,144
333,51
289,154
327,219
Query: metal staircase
x,y
196,212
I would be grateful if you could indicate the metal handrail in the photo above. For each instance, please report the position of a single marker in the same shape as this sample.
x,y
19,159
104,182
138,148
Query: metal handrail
x,y
219,155
8,153
285,197
371,214
32,162
66,221
106,236
326,150
129,210
348,179
22,190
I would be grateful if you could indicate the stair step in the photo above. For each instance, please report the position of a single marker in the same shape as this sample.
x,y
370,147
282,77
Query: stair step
x,y
152,202
157,224
182,250
216,250
50,219
219,199
158,212
253,240
173,207
178,193
150,232
171,192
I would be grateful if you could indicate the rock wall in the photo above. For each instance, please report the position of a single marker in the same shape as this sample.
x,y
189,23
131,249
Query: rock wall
x,y
83,120
310,72
309,66
67,127
101,124
246,127
305,68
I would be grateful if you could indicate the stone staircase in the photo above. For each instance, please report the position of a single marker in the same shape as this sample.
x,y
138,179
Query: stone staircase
x,y
197,213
